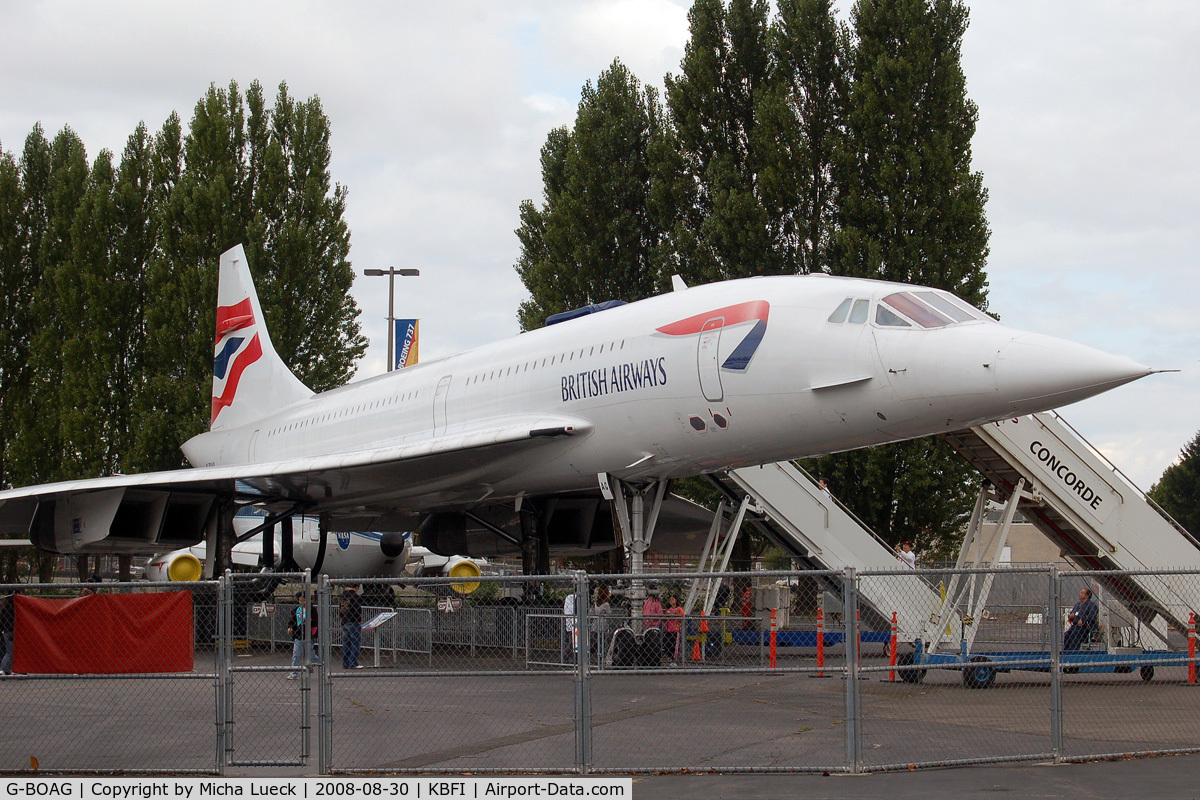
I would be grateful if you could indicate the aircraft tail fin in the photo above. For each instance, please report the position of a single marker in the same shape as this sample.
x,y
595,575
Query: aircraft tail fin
x,y
250,380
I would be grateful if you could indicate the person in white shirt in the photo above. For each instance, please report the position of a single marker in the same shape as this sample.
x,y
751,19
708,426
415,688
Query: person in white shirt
x,y
907,555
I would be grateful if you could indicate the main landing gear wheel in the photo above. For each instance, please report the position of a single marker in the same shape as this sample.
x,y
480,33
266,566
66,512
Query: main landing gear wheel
x,y
980,676
908,675
1147,672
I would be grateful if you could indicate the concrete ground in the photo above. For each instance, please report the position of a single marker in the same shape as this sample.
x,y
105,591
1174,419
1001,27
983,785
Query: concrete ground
x,y
673,721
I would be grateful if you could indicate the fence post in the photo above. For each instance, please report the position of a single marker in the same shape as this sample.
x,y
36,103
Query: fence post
x,y
324,676
853,702
222,672
308,651
892,649
583,687
773,638
1056,704
226,607
820,673
1192,649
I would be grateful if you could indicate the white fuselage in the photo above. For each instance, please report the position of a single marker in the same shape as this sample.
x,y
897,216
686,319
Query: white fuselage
x,y
658,404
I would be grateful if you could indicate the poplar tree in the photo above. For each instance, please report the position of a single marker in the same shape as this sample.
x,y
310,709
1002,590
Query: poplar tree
x,y
301,241
55,180
910,209
16,289
113,239
596,236
799,122
258,176
83,293
724,225
22,278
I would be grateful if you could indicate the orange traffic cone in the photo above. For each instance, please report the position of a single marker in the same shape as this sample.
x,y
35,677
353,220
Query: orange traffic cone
x,y
697,652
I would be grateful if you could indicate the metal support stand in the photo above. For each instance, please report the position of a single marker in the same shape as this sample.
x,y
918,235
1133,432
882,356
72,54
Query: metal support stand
x,y
636,526
966,596
718,548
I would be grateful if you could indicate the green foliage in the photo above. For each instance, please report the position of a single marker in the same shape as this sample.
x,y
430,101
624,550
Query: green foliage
x,y
919,491
110,277
723,227
775,559
16,292
1178,490
911,209
57,174
258,176
595,237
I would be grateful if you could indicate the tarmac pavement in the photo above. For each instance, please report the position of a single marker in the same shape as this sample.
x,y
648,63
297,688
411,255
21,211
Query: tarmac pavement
x,y
673,720
1175,777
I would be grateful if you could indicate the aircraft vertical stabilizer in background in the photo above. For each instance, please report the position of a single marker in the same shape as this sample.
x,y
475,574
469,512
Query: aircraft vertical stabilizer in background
x,y
569,435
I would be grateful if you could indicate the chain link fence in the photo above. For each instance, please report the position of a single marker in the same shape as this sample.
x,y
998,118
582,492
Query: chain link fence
x,y
736,672
123,680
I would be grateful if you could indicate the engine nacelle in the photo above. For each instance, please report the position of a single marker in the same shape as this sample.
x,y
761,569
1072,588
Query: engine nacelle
x,y
188,564
461,567
429,563
178,565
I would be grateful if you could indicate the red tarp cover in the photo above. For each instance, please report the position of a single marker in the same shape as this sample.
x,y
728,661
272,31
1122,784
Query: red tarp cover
x,y
104,634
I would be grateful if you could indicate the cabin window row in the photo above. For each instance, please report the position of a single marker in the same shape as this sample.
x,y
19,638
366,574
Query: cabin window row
x,y
345,412
551,361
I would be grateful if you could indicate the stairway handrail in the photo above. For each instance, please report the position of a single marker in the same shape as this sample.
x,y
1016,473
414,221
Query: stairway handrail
x,y
845,508
1129,481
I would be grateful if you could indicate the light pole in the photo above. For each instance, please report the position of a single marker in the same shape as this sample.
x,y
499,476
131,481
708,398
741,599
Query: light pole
x,y
391,272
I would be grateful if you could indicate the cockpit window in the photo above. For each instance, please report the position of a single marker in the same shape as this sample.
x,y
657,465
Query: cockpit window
x,y
886,318
918,312
839,313
858,314
952,307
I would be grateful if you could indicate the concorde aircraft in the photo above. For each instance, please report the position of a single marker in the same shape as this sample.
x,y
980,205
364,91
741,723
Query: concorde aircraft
x,y
538,436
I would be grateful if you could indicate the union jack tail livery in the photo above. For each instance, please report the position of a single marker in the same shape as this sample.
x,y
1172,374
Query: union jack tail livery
x,y
250,380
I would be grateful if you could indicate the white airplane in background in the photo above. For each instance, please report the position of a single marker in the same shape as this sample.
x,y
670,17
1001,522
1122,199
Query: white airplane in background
x,y
531,436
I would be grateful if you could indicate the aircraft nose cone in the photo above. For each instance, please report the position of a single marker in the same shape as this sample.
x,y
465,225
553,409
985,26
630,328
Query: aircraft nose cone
x,y
1054,372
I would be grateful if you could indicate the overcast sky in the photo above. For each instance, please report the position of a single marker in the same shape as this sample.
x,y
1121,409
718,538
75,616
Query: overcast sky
x,y
1087,142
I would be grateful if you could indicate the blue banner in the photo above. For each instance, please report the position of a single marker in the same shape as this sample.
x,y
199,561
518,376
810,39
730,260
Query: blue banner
x,y
407,336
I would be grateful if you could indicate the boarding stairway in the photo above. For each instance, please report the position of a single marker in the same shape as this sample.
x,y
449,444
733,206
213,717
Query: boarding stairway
x,y
817,531
1096,516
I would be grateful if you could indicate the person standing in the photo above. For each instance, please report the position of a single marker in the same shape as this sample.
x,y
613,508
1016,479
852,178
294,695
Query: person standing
x,y
296,627
652,609
652,619
672,628
350,613
602,612
907,556
571,643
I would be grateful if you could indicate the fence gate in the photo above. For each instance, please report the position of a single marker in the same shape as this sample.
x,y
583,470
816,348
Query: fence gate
x,y
265,705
